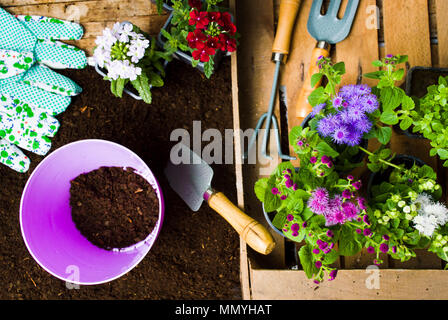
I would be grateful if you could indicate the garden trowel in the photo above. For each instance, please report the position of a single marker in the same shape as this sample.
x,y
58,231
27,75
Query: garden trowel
x,y
191,178
327,29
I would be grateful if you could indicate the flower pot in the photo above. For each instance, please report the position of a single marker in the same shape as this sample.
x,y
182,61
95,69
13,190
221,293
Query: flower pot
x,y
46,222
359,157
166,6
186,56
417,80
377,177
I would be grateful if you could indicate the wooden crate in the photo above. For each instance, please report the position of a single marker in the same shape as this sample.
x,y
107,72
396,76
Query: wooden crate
x,y
414,27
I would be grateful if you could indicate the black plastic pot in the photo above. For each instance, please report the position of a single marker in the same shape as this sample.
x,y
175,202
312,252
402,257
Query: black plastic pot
x,y
186,56
166,6
417,81
364,142
377,177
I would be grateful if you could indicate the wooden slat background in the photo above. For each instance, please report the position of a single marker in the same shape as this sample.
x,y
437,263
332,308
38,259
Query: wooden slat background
x,y
417,28
93,15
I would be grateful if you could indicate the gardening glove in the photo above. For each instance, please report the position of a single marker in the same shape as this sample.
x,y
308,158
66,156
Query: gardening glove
x,y
31,92
32,82
25,126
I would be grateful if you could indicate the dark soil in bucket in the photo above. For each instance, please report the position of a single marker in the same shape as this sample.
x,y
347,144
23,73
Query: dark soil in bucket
x,y
196,255
112,207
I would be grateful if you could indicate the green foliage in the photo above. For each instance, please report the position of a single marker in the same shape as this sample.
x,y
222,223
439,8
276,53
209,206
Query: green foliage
x,y
430,118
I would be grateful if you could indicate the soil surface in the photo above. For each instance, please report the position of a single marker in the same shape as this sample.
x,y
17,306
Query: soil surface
x,y
196,255
112,207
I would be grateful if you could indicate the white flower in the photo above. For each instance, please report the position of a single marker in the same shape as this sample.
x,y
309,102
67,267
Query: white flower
x,y
123,69
101,56
430,216
107,40
126,32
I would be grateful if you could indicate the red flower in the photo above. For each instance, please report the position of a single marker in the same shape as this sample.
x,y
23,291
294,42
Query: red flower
x,y
214,42
203,52
214,16
200,18
227,43
226,23
195,37
197,4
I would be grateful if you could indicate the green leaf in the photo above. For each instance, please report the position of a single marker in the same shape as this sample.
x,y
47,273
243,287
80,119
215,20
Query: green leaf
x,y
389,117
260,188
315,96
156,79
405,123
306,260
443,153
279,220
325,149
339,67
113,87
348,244
315,78
377,63
208,68
120,87
141,84
373,75
384,134
398,75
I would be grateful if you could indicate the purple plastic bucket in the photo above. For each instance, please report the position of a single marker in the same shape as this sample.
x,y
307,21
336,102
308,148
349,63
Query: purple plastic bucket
x,y
45,215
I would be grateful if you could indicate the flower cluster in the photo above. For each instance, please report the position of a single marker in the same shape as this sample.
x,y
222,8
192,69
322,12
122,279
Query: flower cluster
x,y
431,215
285,182
213,31
346,119
341,207
119,50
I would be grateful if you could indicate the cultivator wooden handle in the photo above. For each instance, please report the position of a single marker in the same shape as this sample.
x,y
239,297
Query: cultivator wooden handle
x,y
250,230
303,108
287,16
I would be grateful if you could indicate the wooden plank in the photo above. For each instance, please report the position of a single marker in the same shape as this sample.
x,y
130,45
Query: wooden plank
x,y
442,31
244,265
111,10
255,73
351,285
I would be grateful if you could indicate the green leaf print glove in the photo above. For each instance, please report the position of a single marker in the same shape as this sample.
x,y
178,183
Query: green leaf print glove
x,y
31,92
25,126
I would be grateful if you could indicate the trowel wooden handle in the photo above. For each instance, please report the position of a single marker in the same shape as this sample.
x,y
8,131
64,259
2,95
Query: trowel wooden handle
x,y
303,108
287,16
255,234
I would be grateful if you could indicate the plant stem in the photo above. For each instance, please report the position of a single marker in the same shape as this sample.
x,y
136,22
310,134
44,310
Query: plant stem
x,y
381,160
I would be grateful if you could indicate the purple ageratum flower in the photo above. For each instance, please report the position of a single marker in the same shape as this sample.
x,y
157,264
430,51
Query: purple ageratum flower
x,y
340,135
350,210
362,89
347,91
317,109
363,125
289,217
384,248
337,102
327,125
318,202
369,103
355,112
354,138
371,249
318,264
